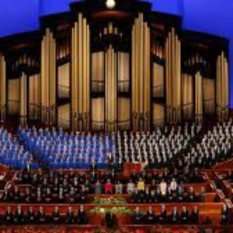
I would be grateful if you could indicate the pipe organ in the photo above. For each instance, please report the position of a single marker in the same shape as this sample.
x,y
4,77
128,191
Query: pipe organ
x,y
126,67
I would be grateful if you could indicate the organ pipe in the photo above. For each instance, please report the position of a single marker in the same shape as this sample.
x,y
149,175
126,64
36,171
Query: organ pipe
x,y
141,74
23,99
111,89
199,97
173,77
2,88
222,87
48,78
80,75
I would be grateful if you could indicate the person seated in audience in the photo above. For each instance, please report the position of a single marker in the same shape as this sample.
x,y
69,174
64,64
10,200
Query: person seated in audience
x,y
202,195
225,215
180,194
163,215
173,185
27,197
194,218
110,220
9,217
56,218
82,197
81,216
137,217
118,188
135,197
39,197
130,187
141,185
146,195
184,217
108,187
81,178
174,218
16,194
61,197
30,218
192,197
93,177
19,217
133,176
93,166
150,217
41,217
98,187
48,196
70,218
163,189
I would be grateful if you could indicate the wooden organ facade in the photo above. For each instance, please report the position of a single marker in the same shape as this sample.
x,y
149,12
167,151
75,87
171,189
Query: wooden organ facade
x,y
124,68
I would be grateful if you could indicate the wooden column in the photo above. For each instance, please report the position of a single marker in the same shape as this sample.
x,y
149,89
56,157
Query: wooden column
x,y
80,76
48,78
110,90
2,88
23,99
198,98
222,88
141,77
173,77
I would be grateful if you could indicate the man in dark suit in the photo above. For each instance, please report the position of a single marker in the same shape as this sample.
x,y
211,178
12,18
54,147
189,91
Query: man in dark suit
x,y
174,218
163,215
30,218
56,218
41,217
137,217
19,216
8,216
184,215
70,216
81,216
150,217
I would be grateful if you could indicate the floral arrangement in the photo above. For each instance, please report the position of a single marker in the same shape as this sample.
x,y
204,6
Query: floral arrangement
x,y
109,201
114,210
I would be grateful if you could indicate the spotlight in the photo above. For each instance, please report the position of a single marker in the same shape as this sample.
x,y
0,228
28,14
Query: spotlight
x,y
110,4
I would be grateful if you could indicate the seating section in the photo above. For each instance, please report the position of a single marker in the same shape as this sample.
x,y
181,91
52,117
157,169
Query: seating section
x,y
173,177
13,154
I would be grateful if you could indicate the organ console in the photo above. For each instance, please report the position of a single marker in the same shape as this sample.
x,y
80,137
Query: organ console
x,y
113,65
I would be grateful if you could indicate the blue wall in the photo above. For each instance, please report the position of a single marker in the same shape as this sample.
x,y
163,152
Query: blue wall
x,y
211,16
18,16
